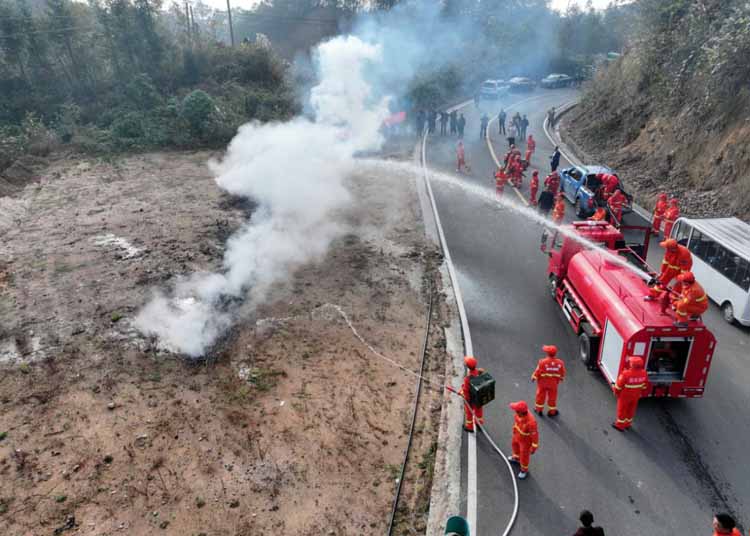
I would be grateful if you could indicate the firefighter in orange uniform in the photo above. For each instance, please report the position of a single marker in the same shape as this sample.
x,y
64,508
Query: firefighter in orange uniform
x,y
615,202
552,182
693,301
550,371
516,171
533,187
525,440
460,157
670,216
501,179
471,364
631,385
558,212
659,210
677,260
530,148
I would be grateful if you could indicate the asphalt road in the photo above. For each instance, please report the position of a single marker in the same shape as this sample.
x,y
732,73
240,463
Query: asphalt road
x,y
683,459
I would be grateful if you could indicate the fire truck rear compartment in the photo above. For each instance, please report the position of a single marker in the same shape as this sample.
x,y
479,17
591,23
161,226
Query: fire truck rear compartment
x,y
667,359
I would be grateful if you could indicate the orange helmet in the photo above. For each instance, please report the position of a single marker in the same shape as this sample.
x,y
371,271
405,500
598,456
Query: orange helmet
x,y
669,243
687,277
470,362
519,407
550,350
635,362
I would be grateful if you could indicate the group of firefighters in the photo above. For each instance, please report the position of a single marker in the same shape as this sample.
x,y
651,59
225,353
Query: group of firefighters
x,y
687,298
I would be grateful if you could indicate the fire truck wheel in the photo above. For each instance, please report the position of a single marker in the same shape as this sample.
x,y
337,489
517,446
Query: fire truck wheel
x,y
553,286
585,350
727,312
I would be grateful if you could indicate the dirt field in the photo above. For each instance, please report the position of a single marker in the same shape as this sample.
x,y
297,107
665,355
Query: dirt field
x,y
294,426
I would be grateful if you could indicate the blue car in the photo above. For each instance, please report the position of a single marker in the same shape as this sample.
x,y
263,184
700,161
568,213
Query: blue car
x,y
581,187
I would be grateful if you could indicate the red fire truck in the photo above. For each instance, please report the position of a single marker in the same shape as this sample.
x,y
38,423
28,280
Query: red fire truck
x,y
601,292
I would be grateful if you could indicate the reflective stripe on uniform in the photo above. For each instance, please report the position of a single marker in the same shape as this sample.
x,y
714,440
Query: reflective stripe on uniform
x,y
637,386
702,298
520,432
550,375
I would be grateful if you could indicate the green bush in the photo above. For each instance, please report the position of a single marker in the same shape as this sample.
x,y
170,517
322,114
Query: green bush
x,y
197,109
128,126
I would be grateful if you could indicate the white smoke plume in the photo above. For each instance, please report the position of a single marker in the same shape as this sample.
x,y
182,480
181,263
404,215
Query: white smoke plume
x,y
295,172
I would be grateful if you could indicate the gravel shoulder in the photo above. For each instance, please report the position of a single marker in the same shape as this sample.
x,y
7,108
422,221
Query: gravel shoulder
x,y
293,426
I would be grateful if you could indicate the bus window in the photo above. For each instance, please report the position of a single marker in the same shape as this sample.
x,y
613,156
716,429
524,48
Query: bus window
x,y
682,233
742,273
702,246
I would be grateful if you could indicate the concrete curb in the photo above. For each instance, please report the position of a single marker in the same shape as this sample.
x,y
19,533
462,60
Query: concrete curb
x,y
445,495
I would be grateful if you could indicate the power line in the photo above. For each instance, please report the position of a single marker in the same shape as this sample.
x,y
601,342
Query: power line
x,y
61,31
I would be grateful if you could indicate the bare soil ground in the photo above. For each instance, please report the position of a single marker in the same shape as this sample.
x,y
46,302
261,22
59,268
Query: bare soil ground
x,y
294,426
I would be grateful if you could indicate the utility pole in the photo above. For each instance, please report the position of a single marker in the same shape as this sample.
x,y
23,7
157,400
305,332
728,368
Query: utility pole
x,y
231,28
187,23
193,26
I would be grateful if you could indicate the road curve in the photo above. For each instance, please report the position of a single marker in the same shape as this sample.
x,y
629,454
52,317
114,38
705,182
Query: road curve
x,y
683,459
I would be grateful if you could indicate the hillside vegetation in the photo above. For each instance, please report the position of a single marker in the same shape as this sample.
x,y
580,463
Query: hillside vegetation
x,y
672,113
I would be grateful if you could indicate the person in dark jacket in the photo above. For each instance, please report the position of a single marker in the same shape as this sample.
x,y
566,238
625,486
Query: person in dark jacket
x,y
554,160
461,126
454,122
443,123
546,200
501,121
587,520
483,122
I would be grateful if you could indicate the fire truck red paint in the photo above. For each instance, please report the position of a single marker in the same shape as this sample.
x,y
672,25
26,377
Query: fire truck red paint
x,y
603,303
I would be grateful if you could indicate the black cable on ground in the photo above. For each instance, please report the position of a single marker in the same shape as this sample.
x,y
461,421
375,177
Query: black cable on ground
x,y
414,413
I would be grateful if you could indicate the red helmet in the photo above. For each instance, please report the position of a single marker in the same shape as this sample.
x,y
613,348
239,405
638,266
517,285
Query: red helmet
x,y
687,277
669,243
550,350
536,172
519,407
663,196
470,362
673,201
635,362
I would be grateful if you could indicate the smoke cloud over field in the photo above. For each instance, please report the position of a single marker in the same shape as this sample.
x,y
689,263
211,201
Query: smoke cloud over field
x,y
295,172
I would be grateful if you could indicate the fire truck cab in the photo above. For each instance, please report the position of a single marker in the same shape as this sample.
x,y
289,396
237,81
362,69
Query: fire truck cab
x,y
600,281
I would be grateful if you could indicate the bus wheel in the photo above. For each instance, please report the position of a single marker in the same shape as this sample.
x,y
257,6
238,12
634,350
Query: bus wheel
x,y
727,312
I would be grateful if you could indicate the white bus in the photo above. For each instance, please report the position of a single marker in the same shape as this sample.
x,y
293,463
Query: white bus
x,y
721,261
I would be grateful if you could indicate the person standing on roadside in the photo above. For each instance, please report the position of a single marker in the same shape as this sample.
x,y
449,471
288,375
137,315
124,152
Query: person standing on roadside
x,y
501,122
454,122
443,123
432,121
551,117
461,126
587,525
512,131
421,118
483,126
554,160
524,126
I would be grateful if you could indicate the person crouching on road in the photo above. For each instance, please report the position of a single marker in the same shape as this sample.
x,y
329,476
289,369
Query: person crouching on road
x,y
725,525
550,371
471,411
525,440
588,529
631,385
